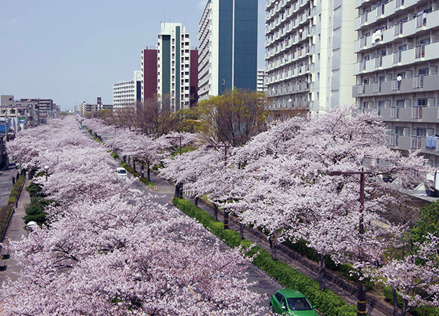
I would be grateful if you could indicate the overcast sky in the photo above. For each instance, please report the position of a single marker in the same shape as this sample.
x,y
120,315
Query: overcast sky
x,y
75,50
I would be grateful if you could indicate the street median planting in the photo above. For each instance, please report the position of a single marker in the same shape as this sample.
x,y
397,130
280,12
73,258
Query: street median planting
x,y
326,301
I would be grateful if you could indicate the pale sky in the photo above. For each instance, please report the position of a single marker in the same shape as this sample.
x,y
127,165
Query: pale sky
x,y
75,50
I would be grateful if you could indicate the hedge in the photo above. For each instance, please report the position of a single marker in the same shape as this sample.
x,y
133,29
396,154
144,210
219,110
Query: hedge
x,y
325,301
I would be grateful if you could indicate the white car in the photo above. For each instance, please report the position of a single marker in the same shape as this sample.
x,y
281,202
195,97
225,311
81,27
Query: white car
x,y
31,226
121,172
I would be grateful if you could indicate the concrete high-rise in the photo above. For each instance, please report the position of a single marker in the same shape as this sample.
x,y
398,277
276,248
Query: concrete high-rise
x,y
397,70
173,65
227,46
309,54
148,68
127,94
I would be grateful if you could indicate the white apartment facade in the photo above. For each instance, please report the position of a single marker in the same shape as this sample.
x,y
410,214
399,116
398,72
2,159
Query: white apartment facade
x,y
309,54
208,52
397,70
173,65
126,94
260,85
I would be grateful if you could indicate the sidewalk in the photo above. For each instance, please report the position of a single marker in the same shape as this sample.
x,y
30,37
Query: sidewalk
x,y
15,232
6,183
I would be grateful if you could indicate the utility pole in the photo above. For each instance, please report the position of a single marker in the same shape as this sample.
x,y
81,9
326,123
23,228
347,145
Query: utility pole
x,y
361,294
226,214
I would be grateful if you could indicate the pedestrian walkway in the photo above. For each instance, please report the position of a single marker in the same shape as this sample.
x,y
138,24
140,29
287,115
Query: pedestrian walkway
x,y
15,232
6,183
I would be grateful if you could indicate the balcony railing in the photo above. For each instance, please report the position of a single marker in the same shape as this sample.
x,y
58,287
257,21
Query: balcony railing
x,y
394,113
420,51
378,61
416,142
399,29
417,112
392,140
377,87
396,85
397,57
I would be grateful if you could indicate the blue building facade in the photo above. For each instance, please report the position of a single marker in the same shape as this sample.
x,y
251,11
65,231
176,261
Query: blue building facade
x,y
231,45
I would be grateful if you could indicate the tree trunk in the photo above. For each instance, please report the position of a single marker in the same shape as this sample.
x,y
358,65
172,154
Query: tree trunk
x,y
196,201
134,164
148,172
322,267
241,230
215,212
395,302
179,190
405,308
272,240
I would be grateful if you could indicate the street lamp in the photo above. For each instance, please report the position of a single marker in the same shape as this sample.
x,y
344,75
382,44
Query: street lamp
x,y
361,296
226,214
46,168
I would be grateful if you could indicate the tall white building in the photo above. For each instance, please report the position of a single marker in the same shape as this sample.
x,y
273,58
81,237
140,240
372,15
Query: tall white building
x,y
227,37
260,85
397,70
173,65
126,94
309,53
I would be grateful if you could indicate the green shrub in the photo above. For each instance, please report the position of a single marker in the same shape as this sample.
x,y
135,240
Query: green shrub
x,y
115,156
325,301
34,189
146,182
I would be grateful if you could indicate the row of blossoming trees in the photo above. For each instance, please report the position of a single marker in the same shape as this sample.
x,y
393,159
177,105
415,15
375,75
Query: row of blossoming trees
x,y
108,249
289,182
286,181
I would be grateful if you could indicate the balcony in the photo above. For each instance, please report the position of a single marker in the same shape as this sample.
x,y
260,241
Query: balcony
x,y
415,114
383,12
407,57
393,33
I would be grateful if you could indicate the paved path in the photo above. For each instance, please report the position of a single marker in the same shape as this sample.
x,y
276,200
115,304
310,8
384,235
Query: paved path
x,y
15,232
6,183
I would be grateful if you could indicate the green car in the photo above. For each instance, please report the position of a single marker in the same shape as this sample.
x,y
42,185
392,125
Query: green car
x,y
291,302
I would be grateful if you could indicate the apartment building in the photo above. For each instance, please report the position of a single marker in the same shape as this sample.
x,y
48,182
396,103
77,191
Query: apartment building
x,y
173,65
148,68
127,94
227,37
309,54
23,113
397,70
260,85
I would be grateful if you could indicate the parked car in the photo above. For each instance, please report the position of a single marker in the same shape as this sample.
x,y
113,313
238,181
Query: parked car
x,y
121,172
291,302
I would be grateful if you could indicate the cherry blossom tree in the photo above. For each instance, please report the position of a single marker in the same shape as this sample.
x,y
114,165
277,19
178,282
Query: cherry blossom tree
x,y
110,249
282,181
411,269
